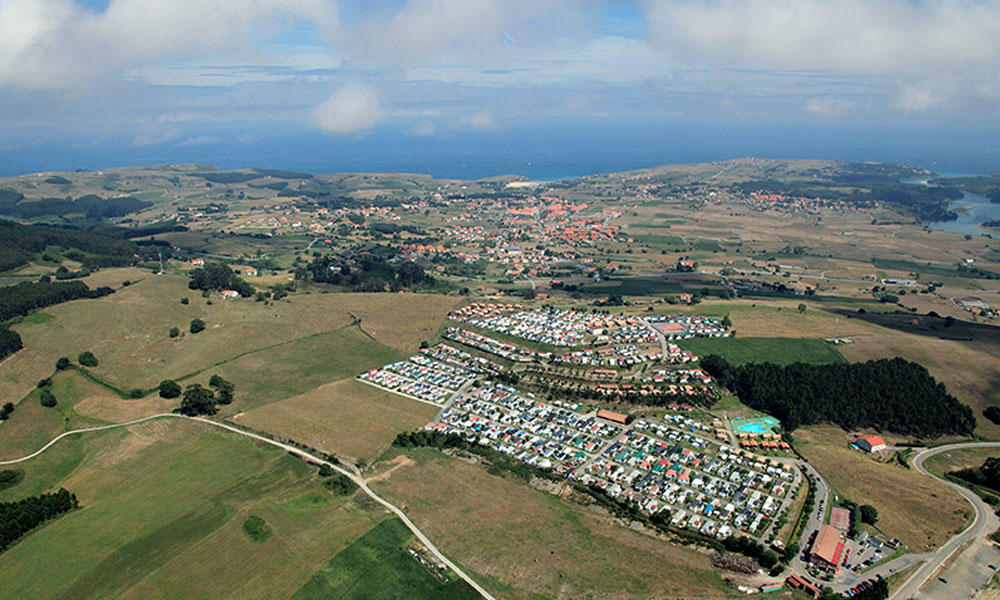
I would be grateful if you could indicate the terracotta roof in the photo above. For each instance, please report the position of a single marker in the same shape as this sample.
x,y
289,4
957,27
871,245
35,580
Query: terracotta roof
x,y
829,545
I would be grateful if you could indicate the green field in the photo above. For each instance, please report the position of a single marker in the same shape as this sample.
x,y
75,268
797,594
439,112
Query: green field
x,y
378,566
782,351
163,505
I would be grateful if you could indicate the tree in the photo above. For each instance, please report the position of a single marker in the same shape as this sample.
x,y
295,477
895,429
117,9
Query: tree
x,y
197,325
993,414
62,364
869,514
169,389
87,359
174,332
6,410
48,399
802,307
326,471
184,300
197,401
135,393
223,389
727,322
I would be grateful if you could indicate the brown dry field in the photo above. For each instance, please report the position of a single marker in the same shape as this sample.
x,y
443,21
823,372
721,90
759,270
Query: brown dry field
x,y
111,408
912,507
20,372
348,418
401,321
960,459
523,542
970,370
781,318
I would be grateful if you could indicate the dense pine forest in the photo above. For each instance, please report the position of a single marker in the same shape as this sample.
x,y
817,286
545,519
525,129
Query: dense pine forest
x,y
893,395
18,518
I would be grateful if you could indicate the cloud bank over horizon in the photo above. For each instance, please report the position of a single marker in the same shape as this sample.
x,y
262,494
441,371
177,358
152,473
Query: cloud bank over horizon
x,y
201,72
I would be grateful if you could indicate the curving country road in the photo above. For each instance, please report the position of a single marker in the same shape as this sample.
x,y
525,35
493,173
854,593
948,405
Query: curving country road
x,y
354,476
984,523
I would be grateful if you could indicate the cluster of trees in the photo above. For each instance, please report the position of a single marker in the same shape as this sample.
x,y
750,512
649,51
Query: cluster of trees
x,y
23,242
218,276
90,206
200,400
341,485
10,342
18,518
18,300
371,273
894,395
986,475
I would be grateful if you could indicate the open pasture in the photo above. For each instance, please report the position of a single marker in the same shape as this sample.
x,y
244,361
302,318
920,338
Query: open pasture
x,y
162,510
525,543
348,418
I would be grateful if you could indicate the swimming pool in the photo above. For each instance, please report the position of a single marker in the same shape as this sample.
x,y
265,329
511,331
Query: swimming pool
x,y
761,425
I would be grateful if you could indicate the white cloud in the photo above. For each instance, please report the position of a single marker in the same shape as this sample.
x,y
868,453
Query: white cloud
x,y
481,121
54,44
153,138
201,140
888,36
829,107
917,98
354,107
423,128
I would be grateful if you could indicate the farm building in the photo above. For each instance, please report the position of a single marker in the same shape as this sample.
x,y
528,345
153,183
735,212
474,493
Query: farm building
x,y
870,443
828,549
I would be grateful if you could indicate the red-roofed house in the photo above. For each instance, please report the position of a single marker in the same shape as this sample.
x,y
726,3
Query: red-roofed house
x,y
612,416
870,443
828,549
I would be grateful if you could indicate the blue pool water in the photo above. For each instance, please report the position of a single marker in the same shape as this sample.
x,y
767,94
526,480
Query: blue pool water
x,y
762,425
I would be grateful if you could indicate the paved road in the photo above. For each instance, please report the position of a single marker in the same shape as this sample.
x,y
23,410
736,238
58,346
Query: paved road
x,y
984,523
353,475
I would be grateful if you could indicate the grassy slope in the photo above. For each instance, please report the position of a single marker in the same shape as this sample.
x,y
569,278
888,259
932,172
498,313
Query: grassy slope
x,y
163,508
378,566
524,543
781,351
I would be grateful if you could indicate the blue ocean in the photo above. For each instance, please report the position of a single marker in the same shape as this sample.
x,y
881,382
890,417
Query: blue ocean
x,y
549,150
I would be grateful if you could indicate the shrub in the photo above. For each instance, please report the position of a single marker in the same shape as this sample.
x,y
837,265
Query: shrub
x,y
45,382
9,478
87,359
340,485
169,389
174,332
184,300
257,529
136,393
48,399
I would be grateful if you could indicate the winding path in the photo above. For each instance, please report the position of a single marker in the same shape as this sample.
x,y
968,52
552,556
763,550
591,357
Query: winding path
x,y
354,476
982,525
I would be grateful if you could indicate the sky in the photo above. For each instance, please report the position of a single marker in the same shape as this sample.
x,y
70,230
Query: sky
x,y
168,79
